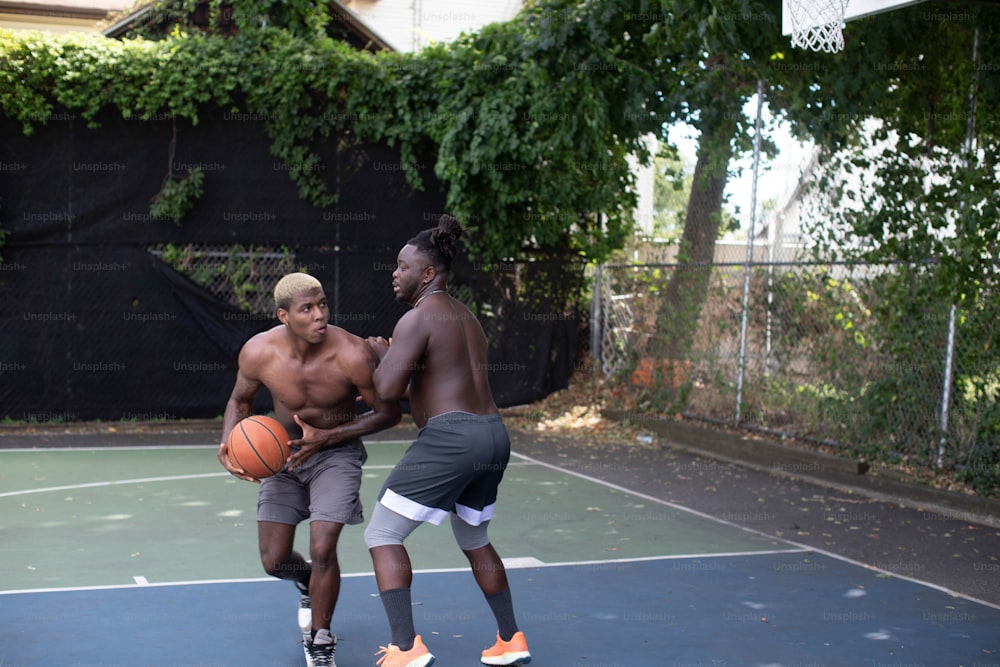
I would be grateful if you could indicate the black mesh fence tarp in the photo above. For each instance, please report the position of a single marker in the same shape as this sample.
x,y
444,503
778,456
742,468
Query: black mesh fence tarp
x,y
530,314
94,326
112,333
72,184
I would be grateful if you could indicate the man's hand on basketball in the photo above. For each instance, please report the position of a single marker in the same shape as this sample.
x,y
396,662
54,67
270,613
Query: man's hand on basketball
x,y
227,463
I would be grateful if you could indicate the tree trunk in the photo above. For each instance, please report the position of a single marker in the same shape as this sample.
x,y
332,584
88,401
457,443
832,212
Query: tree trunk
x,y
677,319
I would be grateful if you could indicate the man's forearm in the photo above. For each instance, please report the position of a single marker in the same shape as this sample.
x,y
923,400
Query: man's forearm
x,y
362,425
234,413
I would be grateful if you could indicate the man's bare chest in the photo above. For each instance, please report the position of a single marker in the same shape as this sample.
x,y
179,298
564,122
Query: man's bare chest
x,y
303,386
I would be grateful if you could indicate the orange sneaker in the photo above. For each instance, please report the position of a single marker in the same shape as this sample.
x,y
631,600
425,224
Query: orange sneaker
x,y
514,652
418,656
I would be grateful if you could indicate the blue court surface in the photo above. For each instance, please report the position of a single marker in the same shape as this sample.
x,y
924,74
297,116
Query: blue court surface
x,y
148,557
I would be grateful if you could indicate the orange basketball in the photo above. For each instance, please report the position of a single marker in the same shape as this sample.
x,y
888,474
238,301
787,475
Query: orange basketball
x,y
259,445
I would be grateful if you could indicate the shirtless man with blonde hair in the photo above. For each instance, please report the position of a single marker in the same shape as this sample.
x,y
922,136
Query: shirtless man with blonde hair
x,y
314,372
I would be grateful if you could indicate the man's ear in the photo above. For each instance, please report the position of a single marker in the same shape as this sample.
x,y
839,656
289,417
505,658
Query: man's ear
x,y
282,316
429,273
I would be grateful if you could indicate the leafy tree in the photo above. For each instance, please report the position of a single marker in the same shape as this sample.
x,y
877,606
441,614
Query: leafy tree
x,y
916,181
922,182
530,122
711,54
913,68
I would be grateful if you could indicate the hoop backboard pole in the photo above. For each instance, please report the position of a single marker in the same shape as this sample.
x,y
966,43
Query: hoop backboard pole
x,y
741,362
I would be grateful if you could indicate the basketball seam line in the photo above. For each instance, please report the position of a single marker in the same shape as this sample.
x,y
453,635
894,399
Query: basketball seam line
x,y
281,447
252,447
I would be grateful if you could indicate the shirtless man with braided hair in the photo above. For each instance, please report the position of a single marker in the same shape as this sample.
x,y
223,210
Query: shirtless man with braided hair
x,y
438,354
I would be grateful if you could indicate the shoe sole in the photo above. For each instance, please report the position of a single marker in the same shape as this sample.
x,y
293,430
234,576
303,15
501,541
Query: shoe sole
x,y
508,659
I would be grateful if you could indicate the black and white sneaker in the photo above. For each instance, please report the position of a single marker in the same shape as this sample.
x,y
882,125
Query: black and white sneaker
x,y
305,608
319,650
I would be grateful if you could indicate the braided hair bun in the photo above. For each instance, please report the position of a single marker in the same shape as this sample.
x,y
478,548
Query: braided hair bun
x,y
445,236
439,243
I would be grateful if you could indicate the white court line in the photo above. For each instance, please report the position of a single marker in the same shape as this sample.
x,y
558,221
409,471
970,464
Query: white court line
x,y
354,575
145,480
116,482
138,480
654,499
799,546
141,480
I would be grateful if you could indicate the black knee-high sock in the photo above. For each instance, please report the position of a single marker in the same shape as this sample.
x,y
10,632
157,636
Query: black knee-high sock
x,y
503,610
399,611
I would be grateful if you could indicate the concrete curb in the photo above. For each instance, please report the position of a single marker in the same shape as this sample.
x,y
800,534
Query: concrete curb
x,y
111,427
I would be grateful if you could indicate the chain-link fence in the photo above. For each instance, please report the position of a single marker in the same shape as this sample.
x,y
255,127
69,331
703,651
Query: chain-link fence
x,y
868,358
240,275
245,275
530,310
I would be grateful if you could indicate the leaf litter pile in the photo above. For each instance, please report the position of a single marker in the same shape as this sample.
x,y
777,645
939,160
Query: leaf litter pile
x,y
578,411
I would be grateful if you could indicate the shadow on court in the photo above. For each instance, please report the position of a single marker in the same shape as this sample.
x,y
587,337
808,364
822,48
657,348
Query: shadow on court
x,y
129,556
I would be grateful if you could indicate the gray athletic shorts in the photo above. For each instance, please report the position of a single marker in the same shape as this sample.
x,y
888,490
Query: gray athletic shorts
x,y
455,465
324,488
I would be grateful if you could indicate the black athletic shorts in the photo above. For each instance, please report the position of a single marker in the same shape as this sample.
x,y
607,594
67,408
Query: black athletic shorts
x,y
455,465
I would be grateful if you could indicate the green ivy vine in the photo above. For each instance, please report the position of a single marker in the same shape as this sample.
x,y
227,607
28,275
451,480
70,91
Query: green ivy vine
x,y
529,123
178,195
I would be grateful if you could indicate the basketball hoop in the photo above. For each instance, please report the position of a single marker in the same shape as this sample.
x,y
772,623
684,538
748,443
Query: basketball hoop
x,y
818,24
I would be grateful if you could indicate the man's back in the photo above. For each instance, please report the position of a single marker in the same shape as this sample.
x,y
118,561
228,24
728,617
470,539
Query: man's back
x,y
452,374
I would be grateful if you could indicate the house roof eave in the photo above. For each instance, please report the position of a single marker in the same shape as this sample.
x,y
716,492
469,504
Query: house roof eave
x,y
365,37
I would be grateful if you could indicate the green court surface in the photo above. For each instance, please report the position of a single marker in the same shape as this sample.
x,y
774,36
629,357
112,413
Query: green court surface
x,y
123,516
151,553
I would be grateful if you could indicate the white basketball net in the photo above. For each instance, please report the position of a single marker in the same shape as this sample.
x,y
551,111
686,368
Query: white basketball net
x,y
818,24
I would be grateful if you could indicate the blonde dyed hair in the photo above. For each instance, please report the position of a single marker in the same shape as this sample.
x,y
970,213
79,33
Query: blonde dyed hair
x,y
292,284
